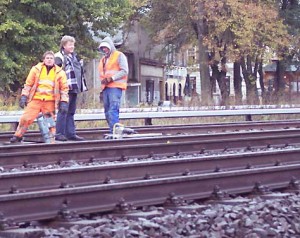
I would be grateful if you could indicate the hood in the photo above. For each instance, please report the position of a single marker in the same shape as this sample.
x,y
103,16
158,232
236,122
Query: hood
x,y
107,42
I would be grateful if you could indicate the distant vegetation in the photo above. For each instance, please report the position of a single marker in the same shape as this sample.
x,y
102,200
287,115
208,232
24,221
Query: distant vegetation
x,y
30,27
247,33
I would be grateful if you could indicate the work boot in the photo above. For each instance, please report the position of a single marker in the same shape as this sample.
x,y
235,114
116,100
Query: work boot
x,y
61,138
15,139
76,138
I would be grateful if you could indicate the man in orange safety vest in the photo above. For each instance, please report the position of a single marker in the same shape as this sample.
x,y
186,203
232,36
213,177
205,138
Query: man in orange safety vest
x,y
113,70
45,90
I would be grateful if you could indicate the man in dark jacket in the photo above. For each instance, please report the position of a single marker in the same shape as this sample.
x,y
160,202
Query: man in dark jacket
x,y
67,59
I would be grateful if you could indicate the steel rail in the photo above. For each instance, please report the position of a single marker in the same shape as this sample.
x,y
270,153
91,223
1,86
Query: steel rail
x,y
121,152
24,181
98,133
131,140
48,204
149,115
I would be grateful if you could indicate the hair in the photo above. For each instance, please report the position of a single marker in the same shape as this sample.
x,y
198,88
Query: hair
x,y
65,39
49,52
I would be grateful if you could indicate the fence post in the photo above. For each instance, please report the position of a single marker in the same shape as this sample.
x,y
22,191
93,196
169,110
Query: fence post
x,y
248,117
148,121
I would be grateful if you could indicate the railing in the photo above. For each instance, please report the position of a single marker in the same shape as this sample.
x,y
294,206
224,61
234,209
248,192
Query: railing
x,y
148,114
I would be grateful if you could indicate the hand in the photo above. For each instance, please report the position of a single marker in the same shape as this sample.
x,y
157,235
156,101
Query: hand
x,y
23,101
106,81
63,107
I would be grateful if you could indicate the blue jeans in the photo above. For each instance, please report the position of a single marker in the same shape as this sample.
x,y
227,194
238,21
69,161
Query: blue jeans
x,y
112,101
65,124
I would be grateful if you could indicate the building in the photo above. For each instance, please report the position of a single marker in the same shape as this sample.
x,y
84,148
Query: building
x,y
153,77
291,77
147,78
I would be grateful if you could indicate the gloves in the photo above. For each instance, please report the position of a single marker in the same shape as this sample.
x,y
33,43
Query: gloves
x,y
63,107
23,101
106,81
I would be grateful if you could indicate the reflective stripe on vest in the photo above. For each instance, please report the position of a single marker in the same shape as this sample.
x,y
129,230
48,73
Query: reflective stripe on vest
x,y
45,88
109,69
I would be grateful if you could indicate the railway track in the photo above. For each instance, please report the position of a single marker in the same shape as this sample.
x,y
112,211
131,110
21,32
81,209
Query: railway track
x,y
92,173
48,204
45,181
98,133
120,150
131,140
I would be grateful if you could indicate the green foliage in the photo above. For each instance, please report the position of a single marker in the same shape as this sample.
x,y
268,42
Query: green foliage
x,y
30,27
171,22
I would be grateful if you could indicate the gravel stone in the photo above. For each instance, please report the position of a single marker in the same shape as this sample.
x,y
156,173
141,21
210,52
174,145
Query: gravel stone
x,y
258,218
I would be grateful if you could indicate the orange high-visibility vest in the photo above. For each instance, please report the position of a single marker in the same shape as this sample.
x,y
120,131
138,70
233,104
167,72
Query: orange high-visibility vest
x,y
110,68
61,88
45,88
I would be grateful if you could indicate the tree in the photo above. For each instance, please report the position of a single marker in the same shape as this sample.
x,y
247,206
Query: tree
x,y
239,31
30,27
289,11
245,31
178,23
22,38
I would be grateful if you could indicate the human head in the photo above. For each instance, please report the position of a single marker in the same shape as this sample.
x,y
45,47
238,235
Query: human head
x,y
106,46
67,43
48,58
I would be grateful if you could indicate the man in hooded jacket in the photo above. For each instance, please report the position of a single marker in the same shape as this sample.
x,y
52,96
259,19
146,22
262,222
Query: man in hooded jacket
x,y
113,70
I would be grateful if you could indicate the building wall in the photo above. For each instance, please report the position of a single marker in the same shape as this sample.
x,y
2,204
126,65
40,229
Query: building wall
x,y
92,97
147,78
148,68
145,67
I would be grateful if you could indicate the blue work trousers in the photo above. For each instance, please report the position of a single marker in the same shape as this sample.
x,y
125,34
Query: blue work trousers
x,y
112,101
65,124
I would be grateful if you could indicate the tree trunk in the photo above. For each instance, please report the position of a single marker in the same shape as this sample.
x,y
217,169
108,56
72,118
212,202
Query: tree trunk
x,y
220,77
261,80
250,80
237,82
279,81
206,98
